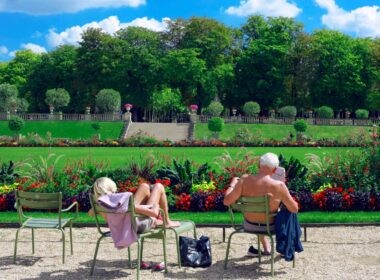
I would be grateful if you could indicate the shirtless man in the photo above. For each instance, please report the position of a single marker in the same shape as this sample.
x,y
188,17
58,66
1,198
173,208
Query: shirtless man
x,y
261,185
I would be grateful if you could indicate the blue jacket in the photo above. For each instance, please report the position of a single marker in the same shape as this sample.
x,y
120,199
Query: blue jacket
x,y
288,234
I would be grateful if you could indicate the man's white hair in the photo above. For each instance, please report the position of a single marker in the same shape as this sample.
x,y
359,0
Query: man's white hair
x,y
269,160
104,186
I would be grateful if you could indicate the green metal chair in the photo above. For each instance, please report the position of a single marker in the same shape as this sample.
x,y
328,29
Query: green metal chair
x,y
157,233
43,201
253,205
184,227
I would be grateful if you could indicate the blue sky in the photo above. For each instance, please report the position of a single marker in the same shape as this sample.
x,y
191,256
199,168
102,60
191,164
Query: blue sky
x,y
41,25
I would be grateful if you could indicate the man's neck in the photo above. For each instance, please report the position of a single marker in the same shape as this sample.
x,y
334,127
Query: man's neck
x,y
263,173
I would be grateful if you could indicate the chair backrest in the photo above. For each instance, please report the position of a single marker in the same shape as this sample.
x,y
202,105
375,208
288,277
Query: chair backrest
x,y
258,204
40,201
98,208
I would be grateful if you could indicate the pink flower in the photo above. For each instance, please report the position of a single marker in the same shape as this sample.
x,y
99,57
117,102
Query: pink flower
x,y
193,107
128,106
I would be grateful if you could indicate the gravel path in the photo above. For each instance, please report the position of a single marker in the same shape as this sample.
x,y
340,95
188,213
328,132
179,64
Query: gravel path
x,y
331,253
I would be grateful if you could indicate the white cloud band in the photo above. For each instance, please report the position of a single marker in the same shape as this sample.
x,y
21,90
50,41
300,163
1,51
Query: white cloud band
x,y
48,7
364,21
272,8
110,25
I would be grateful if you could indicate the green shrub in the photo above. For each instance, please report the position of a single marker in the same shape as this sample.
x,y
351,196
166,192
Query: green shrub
x,y
361,114
108,101
215,125
251,108
300,126
167,100
57,97
16,123
324,112
8,97
288,111
214,109
243,135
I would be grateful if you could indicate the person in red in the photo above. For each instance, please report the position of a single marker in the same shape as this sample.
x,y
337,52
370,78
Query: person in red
x,y
261,184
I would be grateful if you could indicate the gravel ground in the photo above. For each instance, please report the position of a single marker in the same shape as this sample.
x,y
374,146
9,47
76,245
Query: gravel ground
x,y
331,253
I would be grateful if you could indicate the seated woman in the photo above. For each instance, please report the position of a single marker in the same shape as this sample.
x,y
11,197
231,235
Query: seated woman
x,y
148,200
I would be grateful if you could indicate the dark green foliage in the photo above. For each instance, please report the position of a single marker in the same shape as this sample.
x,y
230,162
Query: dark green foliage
x,y
184,174
251,108
57,97
288,111
300,125
215,124
214,109
361,114
7,173
108,101
295,172
16,124
324,112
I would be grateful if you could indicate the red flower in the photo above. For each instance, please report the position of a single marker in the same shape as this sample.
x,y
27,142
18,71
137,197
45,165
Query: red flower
x,y
183,202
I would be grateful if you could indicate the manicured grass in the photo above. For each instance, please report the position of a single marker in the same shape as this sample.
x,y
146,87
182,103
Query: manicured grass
x,y
279,132
224,218
67,129
118,156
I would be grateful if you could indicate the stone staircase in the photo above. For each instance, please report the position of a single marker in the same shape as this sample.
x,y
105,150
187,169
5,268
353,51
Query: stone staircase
x,y
162,131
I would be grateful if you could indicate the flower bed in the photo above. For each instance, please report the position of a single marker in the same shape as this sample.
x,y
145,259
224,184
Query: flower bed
x,y
348,182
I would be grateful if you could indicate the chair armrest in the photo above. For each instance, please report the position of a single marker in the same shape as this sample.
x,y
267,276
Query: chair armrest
x,y
70,207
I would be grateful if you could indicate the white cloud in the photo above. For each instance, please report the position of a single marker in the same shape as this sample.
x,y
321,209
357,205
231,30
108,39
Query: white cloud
x,y
48,7
364,21
33,47
274,8
72,35
3,50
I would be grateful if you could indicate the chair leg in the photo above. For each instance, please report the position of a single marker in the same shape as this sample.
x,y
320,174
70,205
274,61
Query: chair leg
x,y
195,231
95,255
63,246
33,241
15,251
228,249
142,249
71,238
272,255
294,260
178,252
164,247
138,258
129,257
258,247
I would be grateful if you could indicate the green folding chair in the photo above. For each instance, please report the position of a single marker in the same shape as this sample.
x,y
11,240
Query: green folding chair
x,y
43,201
157,233
184,227
253,205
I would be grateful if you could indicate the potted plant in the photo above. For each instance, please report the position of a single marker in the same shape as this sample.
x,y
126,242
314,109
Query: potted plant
x,y
128,107
193,108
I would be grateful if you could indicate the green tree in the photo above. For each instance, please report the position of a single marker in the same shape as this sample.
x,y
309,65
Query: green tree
x,y
215,125
251,108
214,109
288,111
57,97
324,112
15,124
8,97
167,101
108,101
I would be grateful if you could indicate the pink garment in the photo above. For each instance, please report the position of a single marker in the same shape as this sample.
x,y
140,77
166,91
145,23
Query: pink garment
x,y
119,221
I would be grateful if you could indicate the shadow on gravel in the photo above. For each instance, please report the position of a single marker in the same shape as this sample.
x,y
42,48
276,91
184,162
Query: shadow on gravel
x,y
234,270
20,260
103,270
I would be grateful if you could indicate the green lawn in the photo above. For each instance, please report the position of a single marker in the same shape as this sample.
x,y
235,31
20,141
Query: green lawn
x,y
67,129
279,132
118,156
223,218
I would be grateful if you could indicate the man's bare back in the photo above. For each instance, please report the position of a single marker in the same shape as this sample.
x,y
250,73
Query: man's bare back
x,y
261,185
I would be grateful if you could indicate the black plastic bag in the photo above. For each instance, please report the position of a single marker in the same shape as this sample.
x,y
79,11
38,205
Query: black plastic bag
x,y
195,253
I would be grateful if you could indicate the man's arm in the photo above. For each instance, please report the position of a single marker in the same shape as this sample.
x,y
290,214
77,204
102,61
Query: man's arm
x,y
287,199
233,192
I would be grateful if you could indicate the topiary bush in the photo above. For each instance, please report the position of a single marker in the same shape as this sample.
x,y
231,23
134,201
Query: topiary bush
x,y
288,111
251,108
215,125
361,114
324,112
57,97
300,126
108,101
214,109
15,124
